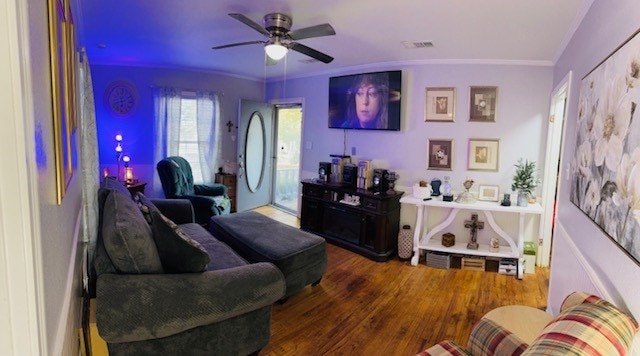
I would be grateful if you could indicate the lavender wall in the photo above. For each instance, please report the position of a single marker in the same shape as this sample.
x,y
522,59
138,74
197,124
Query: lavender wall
x,y
522,109
138,129
584,257
523,102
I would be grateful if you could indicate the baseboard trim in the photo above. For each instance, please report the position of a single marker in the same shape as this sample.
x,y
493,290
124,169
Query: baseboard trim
x,y
589,271
66,339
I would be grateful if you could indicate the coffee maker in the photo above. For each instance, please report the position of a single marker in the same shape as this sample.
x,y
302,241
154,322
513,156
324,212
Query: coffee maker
x,y
380,181
349,175
324,172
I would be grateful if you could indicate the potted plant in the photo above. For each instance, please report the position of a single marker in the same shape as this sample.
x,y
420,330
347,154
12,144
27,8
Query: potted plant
x,y
524,180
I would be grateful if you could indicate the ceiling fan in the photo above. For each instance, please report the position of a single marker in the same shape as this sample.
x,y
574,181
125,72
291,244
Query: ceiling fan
x,y
280,38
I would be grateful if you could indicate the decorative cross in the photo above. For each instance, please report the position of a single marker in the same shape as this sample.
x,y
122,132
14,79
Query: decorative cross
x,y
474,225
229,126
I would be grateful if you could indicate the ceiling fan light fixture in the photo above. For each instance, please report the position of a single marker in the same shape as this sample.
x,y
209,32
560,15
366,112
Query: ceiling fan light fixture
x,y
276,50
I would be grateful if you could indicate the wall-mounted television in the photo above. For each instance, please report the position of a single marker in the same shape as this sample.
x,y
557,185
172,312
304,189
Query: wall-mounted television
x,y
366,101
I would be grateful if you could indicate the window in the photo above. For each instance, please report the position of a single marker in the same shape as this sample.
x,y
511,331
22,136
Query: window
x,y
187,138
187,125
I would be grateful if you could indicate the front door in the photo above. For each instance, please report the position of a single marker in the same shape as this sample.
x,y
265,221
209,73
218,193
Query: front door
x,y
255,155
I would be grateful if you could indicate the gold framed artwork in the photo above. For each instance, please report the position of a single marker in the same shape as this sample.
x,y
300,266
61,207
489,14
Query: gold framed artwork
x,y
482,103
63,90
488,192
483,154
440,104
440,154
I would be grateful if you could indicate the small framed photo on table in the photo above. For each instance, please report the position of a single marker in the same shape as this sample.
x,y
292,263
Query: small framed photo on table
x,y
488,192
440,104
440,154
483,154
482,104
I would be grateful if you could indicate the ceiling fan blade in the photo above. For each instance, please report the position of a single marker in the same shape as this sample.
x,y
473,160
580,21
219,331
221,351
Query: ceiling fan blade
x,y
249,22
312,31
237,44
311,52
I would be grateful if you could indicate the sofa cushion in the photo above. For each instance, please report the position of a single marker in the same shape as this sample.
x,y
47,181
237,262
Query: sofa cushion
x,y
127,236
111,183
593,327
222,256
178,252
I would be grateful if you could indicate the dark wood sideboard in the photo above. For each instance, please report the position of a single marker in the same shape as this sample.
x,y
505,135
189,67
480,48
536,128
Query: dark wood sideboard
x,y
369,228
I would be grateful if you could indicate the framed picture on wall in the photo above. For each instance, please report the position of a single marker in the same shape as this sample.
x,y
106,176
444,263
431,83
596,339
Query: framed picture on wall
x,y
604,179
482,103
440,154
63,90
440,104
483,154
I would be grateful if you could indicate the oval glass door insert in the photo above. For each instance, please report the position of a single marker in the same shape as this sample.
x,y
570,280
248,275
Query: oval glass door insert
x,y
254,151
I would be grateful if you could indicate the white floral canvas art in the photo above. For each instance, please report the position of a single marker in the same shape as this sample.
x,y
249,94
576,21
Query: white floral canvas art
x,y
605,172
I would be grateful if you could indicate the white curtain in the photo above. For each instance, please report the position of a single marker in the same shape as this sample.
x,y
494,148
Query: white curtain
x,y
167,125
168,116
208,121
88,144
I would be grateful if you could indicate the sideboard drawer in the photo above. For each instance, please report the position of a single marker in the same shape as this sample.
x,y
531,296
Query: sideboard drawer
x,y
313,191
372,204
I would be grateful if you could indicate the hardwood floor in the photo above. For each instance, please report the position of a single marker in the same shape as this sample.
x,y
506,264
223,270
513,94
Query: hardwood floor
x,y
363,307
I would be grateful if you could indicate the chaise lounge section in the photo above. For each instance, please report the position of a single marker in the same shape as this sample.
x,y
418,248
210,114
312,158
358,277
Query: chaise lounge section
x,y
300,256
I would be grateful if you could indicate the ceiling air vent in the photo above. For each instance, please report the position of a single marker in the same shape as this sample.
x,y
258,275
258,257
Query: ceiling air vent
x,y
417,44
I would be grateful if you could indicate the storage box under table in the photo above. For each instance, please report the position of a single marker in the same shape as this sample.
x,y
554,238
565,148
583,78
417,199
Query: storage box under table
x,y
438,259
473,263
508,266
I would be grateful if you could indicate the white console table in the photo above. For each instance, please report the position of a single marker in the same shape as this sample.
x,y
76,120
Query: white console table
x,y
514,250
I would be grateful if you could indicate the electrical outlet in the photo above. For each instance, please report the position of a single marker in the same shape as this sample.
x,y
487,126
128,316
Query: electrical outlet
x,y
353,150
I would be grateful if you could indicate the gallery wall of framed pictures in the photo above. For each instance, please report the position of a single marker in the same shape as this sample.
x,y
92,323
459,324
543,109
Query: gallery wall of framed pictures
x,y
483,154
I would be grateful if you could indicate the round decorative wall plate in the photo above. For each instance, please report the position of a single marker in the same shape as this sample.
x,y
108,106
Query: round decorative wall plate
x,y
121,98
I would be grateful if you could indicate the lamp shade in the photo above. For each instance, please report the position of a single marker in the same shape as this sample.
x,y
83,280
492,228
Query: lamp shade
x,y
128,174
276,51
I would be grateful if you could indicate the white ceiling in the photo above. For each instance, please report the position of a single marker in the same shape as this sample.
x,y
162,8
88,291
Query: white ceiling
x,y
180,34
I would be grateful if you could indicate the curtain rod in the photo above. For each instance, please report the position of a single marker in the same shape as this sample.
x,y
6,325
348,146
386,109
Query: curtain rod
x,y
188,89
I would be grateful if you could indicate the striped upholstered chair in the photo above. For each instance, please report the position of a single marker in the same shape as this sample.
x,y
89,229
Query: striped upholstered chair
x,y
586,325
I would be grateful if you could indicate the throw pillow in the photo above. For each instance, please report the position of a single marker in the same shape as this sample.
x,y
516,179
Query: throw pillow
x,y
127,236
178,252
145,205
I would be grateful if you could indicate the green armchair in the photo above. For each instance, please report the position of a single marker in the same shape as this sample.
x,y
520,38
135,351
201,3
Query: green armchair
x,y
177,183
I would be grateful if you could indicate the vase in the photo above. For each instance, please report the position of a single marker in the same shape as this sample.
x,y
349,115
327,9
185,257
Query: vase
x,y
523,198
405,243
